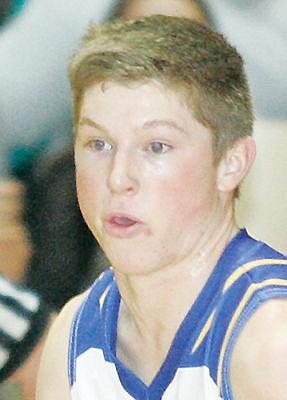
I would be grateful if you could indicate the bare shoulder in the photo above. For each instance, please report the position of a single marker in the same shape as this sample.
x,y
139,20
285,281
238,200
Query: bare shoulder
x,y
53,382
259,359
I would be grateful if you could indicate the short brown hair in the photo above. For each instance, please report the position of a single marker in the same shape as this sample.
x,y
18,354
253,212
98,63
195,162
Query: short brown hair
x,y
181,54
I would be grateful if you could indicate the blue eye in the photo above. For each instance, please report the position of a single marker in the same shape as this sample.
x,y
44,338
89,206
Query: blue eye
x,y
100,145
158,147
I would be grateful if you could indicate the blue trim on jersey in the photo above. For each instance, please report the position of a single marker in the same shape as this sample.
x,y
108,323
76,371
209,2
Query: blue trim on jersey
x,y
256,300
203,337
88,315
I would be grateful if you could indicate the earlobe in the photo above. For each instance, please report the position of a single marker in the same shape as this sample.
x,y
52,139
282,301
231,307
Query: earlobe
x,y
235,164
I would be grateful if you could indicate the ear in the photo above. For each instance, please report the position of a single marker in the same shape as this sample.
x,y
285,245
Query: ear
x,y
235,164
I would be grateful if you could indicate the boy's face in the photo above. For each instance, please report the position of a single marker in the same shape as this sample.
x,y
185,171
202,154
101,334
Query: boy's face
x,y
146,178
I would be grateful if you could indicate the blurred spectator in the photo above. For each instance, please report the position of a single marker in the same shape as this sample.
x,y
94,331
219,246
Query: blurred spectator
x,y
24,315
35,109
181,8
35,47
5,6
66,257
24,318
15,247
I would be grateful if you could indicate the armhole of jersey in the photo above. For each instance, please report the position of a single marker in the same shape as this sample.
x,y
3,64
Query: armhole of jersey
x,y
255,302
73,345
103,280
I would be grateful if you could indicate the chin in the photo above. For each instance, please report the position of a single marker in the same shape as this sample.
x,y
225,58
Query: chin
x,y
132,267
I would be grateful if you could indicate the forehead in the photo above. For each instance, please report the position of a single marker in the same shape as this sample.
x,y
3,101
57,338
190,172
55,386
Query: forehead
x,y
116,108
134,100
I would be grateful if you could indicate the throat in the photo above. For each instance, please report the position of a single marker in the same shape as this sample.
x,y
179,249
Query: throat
x,y
142,359
141,350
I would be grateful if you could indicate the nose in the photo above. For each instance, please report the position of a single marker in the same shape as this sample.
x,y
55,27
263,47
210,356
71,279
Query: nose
x,y
122,177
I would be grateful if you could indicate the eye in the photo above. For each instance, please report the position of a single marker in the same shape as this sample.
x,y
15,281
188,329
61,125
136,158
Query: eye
x,y
100,145
159,147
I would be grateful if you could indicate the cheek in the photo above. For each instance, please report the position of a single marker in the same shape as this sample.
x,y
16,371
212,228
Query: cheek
x,y
189,191
88,193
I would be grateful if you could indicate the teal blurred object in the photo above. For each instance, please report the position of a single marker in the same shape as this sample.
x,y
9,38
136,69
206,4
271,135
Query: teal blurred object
x,y
9,9
17,6
21,158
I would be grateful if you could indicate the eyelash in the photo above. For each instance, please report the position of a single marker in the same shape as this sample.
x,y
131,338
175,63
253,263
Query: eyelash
x,y
101,145
162,150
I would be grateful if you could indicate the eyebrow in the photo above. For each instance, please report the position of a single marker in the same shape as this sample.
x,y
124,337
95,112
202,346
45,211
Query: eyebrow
x,y
87,121
166,123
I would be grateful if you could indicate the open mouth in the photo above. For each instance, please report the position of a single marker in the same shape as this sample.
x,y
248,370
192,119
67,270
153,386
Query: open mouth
x,y
123,226
123,221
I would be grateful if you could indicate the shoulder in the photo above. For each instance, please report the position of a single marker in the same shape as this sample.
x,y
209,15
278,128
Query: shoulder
x,y
54,360
259,360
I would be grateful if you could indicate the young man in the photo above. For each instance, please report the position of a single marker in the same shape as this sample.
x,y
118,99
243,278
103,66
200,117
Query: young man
x,y
192,306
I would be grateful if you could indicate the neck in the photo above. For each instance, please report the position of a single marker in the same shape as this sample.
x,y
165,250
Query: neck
x,y
154,305
150,297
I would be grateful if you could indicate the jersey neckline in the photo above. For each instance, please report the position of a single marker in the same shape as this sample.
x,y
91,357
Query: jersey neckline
x,y
186,335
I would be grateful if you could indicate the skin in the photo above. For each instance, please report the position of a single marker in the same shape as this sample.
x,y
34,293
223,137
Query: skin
x,y
179,8
259,361
54,359
147,149
15,247
146,156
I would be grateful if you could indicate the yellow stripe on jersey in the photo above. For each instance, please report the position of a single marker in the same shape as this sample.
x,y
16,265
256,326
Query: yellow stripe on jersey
x,y
203,332
233,277
103,297
252,288
248,266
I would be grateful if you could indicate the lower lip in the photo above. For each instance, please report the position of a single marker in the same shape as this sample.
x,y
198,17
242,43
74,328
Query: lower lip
x,y
123,231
